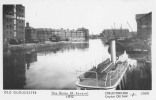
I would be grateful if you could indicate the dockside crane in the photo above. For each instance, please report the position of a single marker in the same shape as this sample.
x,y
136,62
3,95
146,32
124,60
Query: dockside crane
x,y
130,27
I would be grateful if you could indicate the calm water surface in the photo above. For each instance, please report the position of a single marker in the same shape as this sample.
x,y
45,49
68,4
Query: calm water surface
x,y
58,70
54,69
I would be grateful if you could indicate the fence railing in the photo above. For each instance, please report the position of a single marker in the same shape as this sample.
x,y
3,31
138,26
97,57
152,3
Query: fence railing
x,y
112,77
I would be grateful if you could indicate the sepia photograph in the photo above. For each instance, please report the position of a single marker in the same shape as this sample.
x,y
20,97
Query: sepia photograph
x,y
77,45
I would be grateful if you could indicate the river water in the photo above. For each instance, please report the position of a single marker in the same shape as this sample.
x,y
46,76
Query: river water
x,y
58,69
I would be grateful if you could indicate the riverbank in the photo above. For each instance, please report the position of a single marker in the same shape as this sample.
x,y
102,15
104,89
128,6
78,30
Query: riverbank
x,y
39,47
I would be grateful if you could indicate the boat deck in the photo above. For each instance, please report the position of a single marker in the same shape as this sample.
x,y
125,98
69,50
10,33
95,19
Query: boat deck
x,y
106,79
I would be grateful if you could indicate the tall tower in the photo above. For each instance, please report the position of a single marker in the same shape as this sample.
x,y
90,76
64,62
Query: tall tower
x,y
13,23
144,25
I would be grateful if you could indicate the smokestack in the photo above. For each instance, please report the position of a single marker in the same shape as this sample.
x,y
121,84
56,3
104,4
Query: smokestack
x,y
113,51
27,24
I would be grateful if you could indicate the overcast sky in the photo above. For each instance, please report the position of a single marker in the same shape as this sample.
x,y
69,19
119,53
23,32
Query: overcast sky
x,y
95,15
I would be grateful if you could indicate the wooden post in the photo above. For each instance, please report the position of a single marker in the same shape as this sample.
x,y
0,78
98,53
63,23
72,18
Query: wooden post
x,y
120,86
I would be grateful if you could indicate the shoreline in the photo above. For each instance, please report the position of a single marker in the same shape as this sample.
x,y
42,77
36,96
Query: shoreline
x,y
29,47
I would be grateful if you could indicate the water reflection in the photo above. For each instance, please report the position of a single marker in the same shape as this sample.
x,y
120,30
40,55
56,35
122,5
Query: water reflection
x,y
14,69
18,66
30,57
58,71
82,46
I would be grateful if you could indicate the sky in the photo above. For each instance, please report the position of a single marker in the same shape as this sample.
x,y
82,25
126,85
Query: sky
x,y
95,15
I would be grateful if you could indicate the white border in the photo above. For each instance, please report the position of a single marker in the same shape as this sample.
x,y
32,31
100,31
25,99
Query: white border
x,y
93,94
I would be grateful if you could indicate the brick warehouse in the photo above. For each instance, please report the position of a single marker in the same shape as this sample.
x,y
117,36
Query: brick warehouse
x,y
45,34
13,23
144,25
30,34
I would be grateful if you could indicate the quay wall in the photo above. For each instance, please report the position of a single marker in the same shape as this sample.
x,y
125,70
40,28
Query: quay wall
x,y
29,47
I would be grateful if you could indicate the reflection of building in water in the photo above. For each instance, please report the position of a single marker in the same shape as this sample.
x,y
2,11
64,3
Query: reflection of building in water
x,y
70,46
14,67
14,71
30,58
81,46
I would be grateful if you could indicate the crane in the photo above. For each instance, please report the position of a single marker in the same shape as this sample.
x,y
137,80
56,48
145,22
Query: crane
x,y
130,28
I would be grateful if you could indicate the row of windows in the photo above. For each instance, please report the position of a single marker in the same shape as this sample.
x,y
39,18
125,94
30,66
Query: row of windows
x,y
20,10
10,32
10,20
21,32
7,32
20,15
21,27
21,21
10,26
10,13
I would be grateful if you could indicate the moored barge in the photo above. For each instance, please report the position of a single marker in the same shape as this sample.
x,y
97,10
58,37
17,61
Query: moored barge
x,y
107,75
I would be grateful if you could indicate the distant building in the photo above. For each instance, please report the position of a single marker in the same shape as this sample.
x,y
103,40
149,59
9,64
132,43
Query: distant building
x,y
144,26
45,34
72,35
83,32
68,34
116,33
30,34
42,34
13,23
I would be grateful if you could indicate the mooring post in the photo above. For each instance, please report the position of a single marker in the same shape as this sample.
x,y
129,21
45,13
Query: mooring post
x,y
123,82
120,86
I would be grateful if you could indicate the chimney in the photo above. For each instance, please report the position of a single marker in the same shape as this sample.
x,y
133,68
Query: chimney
x,y
113,51
27,24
